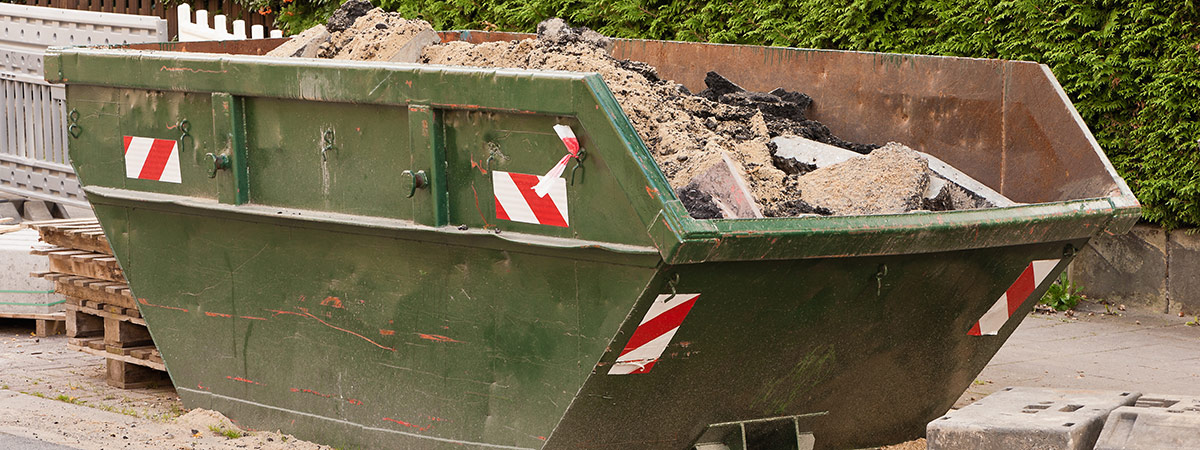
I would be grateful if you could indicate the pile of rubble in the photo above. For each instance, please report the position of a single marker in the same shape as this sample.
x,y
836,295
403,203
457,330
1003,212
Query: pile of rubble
x,y
728,152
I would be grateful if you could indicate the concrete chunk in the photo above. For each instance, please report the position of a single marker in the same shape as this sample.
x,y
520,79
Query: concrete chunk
x,y
795,154
410,52
1153,423
729,192
990,197
1028,418
303,45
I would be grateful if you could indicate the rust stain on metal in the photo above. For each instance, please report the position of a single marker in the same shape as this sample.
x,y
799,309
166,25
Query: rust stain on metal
x,y
144,302
476,165
305,313
189,69
244,380
387,332
332,302
401,422
213,314
437,338
310,391
486,225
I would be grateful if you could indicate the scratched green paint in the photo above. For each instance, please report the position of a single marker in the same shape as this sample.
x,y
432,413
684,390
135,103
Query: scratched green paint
x,y
320,301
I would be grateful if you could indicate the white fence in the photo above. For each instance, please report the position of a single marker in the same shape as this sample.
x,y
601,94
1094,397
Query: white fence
x,y
33,131
200,30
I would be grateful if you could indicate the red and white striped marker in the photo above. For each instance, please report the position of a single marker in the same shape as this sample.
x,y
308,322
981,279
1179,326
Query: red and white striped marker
x,y
516,201
152,159
654,333
568,138
1011,300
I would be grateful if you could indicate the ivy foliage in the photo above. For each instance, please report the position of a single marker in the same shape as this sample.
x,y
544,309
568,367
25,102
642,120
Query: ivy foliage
x,y
1132,67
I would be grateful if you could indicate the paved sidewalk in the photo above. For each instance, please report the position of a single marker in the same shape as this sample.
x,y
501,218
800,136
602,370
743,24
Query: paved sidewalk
x,y
1142,352
44,367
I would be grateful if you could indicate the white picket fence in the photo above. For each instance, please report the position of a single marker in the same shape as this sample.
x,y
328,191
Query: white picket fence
x,y
198,29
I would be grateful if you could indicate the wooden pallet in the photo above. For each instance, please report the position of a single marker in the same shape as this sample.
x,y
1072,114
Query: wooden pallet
x,y
76,234
45,324
102,316
83,263
119,334
87,288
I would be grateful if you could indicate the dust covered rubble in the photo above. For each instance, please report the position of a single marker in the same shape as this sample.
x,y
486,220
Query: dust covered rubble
x,y
687,134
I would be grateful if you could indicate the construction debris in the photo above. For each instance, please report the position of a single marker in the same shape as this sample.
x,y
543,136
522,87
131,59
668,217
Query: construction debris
x,y
729,152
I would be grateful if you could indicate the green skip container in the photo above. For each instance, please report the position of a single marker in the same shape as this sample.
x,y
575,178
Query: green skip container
x,y
348,251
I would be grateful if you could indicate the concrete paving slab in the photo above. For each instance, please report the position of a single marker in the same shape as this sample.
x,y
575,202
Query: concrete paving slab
x,y
1155,422
1028,418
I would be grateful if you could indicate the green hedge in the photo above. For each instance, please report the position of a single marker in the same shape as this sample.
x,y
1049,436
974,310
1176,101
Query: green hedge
x,y
1131,67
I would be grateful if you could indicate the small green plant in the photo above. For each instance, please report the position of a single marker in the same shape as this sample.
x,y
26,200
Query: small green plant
x,y
228,433
69,399
1062,295
1194,322
122,410
177,410
5,387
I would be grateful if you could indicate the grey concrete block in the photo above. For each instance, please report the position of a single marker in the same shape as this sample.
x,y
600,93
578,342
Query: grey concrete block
x,y
25,294
9,210
1028,418
36,210
1129,269
1183,274
73,212
1153,423
807,154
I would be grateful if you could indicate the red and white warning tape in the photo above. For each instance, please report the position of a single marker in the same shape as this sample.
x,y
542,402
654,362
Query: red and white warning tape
x,y
152,159
654,333
568,138
1013,298
516,201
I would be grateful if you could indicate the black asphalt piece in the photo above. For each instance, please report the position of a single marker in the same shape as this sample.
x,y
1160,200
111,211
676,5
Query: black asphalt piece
x,y
345,15
11,442
698,204
783,110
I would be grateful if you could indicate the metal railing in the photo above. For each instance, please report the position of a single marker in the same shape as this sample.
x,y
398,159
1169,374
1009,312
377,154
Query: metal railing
x,y
33,118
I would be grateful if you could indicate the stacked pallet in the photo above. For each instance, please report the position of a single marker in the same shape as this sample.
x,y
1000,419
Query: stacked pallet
x,y
102,315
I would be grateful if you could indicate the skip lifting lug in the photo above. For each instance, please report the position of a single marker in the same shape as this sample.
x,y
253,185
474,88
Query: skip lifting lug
x,y
186,134
578,165
671,284
419,180
215,163
73,119
327,144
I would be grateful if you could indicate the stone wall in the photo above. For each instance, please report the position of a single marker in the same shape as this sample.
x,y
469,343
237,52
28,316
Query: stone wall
x,y
1148,268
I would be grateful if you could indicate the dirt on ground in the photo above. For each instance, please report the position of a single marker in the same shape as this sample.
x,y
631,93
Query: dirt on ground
x,y
685,132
